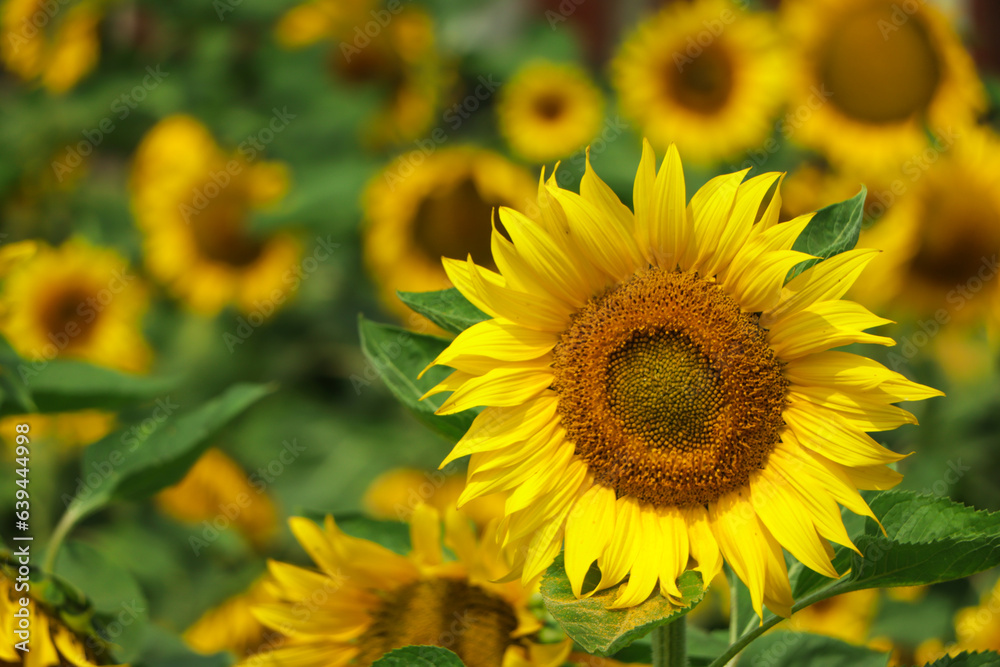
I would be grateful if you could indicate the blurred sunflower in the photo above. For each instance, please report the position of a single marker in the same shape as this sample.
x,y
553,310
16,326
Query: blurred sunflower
x,y
549,110
942,237
367,600
871,77
232,626
193,202
52,643
424,207
847,617
76,301
217,487
705,75
395,50
58,54
654,391
976,629
396,493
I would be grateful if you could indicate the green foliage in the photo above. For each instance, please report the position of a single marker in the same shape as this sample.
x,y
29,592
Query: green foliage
x,y
121,466
604,631
832,230
792,649
399,356
985,659
419,656
447,308
65,385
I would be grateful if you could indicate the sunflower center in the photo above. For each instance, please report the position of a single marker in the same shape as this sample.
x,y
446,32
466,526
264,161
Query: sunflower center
x,y
959,233
68,316
878,70
550,106
455,222
454,614
218,228
669,390
704,83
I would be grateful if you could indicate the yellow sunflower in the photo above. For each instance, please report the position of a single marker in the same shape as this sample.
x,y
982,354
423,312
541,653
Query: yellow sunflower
x,y
52,643
193,203
395,494
847,617
705,75
873,74
941,240
424,207
217,490
392,47
232,626
549,110
653,391
367,600
58,54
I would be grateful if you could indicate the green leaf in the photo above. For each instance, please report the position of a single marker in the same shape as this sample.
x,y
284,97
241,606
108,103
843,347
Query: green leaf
x,y
793,649
121,465
985,659
398,356
832,230
604,631
65,385
448,309
929,539
419,656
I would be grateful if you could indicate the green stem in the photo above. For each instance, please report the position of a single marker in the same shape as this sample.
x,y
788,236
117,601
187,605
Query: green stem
x,y
670,644
773,620
62,529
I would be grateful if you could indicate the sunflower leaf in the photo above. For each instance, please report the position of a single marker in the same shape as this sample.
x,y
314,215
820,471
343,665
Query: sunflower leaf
x,y
448,309
832,230
419,656
604,631
62,385
791,649
398,356
964,659
123,465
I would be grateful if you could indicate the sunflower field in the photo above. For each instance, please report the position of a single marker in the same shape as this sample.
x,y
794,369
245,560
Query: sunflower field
x,y
499,333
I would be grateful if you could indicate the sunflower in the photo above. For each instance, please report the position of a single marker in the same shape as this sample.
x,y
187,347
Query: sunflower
x,y
941,239
58,54
549,110
367,600
193,203
75,301
847,617
395,494
395,50
654,391
217,490
424,207
232,626
873,76
52,642
705,75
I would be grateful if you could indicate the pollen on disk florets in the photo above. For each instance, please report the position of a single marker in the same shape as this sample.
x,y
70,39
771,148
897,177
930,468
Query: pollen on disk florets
x,y
668,389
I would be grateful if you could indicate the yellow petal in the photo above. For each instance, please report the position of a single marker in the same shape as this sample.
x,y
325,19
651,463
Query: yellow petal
x,y
734,236
669,226
741,542
830,279
703,545
497,339
425,535
503,386
588,531
606,243
498,427
826,433
618,557
645,570
821,326
709,210
839,369
676,547
642,201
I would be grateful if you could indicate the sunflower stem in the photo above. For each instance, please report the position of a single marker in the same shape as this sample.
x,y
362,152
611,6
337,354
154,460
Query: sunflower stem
x,y
670,644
